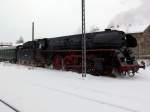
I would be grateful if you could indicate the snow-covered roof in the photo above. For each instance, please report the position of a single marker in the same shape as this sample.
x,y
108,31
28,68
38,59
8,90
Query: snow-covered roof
x,y
147,29
8,47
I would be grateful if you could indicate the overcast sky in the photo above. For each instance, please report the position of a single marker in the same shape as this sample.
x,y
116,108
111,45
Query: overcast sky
x,y
56,17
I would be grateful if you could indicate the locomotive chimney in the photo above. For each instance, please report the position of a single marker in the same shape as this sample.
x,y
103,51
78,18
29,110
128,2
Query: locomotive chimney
x,y
32,31
108,30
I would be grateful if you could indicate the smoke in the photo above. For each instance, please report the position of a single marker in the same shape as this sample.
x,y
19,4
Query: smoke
x,y
133,20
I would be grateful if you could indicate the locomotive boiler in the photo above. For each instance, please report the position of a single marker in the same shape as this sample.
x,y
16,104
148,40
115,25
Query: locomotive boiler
x,y
108,53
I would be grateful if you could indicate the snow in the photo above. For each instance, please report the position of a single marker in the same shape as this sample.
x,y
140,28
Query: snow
x,y
4,108
31,89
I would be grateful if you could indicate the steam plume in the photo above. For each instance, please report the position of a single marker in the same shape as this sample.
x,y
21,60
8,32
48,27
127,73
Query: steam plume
x,y
134,20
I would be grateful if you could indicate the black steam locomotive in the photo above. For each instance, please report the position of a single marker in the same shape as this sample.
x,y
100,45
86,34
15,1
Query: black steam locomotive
x,y
108,53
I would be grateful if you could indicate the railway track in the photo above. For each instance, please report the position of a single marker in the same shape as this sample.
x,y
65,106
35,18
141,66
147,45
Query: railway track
x,y
10,106
88,98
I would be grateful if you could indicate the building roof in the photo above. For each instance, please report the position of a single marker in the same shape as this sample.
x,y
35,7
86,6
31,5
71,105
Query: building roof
x,y
147,30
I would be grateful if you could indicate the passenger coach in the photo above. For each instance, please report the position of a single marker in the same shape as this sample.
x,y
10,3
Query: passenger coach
x,y
8,54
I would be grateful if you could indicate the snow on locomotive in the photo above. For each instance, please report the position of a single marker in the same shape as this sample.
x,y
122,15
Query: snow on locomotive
x,y
108,53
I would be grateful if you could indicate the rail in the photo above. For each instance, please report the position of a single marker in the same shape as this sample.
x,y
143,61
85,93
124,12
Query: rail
x,y
10,106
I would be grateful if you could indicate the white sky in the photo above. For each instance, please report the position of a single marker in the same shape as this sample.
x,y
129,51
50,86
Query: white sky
x,y
56,17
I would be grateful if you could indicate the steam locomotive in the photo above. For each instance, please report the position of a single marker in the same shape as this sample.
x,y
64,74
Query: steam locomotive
x,y
108,53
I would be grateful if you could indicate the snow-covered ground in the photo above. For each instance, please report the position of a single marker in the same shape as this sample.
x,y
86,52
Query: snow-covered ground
x,y
41,90
4,108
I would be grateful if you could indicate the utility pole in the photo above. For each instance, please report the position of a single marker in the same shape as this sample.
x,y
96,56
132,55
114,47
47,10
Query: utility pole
x,y
138,49
32,31
83,41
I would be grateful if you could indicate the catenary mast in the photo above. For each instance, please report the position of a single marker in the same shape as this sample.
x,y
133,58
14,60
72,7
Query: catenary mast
x,y
32,31
83,41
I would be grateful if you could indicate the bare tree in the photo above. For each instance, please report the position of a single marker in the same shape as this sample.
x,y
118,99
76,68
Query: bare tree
x,y
20,40
94,29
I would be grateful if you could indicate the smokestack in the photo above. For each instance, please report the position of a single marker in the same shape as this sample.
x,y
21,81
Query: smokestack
x,y
32,31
